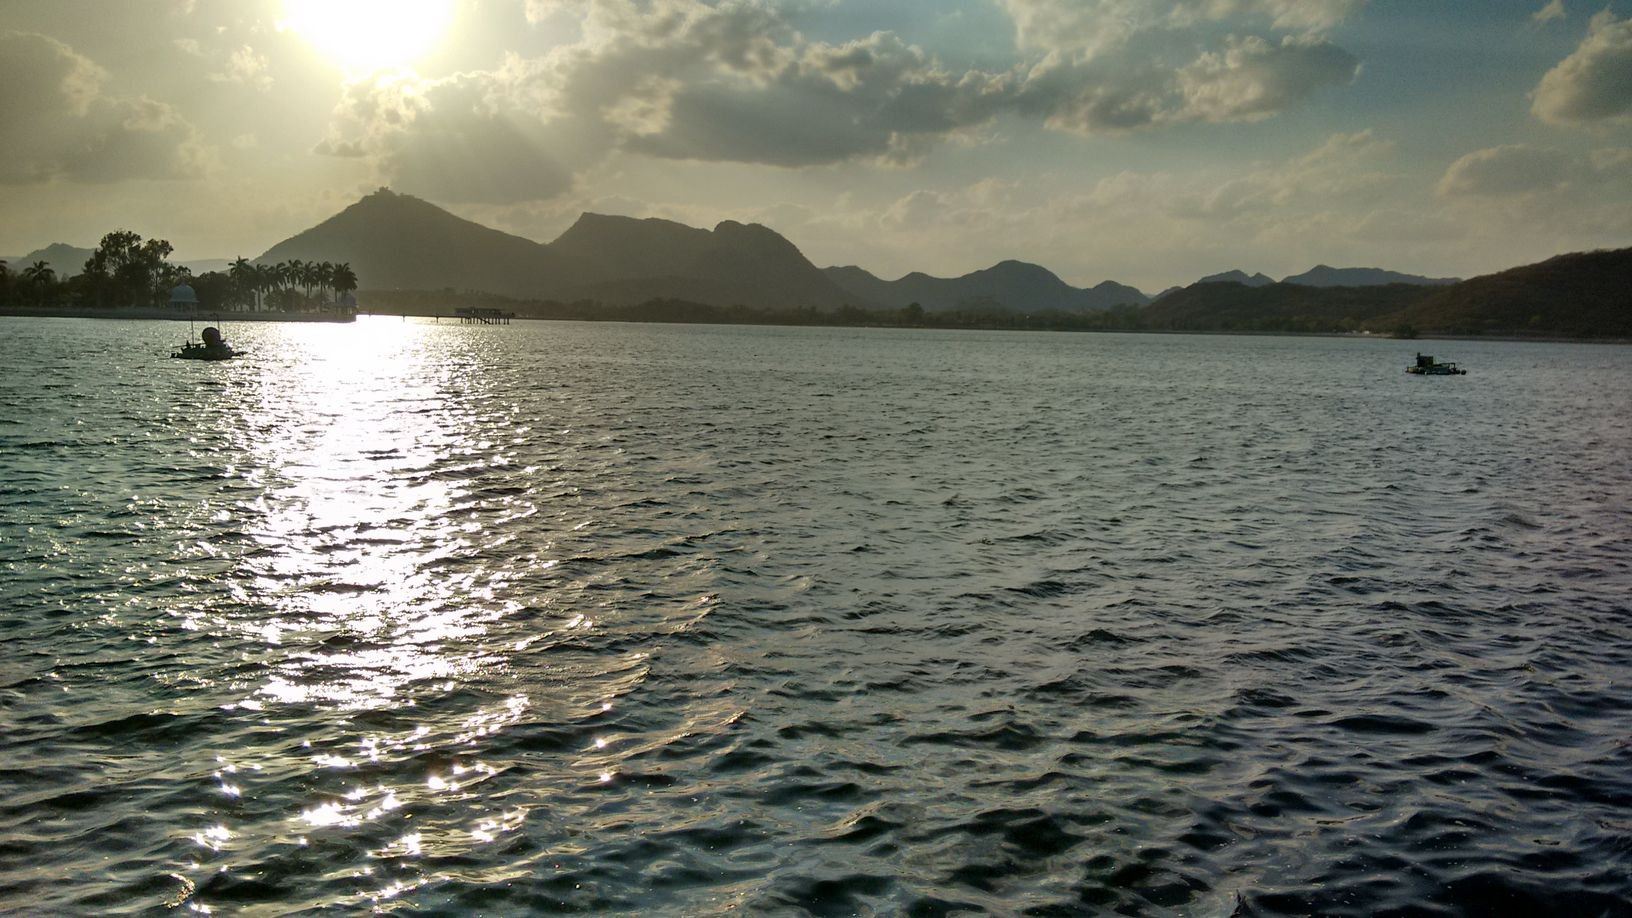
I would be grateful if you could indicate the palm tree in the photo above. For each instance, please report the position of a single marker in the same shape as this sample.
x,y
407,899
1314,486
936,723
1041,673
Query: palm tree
x,y
40,277
345,279
284,273
266,276
244,282
325,278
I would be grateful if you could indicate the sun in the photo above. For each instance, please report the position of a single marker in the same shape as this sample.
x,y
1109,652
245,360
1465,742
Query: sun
x,y
363,36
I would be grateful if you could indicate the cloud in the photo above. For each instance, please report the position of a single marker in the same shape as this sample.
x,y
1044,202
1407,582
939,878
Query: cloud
x,y
1505,170
457,140
1248,79
1088,28
1554,10
1253,79
677,79
1343,169
247,66
735,81
1113,66
60,122
1519,170
1593,84
870,98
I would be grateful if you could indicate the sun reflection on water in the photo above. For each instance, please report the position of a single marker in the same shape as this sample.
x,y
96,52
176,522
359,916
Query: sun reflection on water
x,y
357,539
366,605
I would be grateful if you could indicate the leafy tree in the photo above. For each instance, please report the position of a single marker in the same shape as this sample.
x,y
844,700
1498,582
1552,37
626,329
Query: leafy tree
x,y
215,290
126,271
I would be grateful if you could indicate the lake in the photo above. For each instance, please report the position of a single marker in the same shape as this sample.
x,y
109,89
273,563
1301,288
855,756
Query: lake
x,y
679,619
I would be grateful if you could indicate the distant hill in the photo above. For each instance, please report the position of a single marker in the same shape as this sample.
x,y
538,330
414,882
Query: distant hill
x,y
1238,277
66,260
1012,285
1229,306
205,266
1583,295
629,260
69,260
395,241
1327,276
398,242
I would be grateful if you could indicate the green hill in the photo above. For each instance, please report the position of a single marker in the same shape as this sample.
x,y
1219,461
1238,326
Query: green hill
x,y
1277,307
1583,295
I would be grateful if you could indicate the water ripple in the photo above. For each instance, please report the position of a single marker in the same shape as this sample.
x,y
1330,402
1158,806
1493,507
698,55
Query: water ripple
x,y
563,617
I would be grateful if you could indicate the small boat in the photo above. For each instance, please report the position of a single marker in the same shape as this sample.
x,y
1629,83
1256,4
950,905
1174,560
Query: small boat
x,y
213,347
1427,366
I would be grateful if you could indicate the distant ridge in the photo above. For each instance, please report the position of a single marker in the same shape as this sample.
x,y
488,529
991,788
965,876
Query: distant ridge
x,y
1277,307
396,241
65,260
630,260
1013,285
1238,277
1327,276
1581,295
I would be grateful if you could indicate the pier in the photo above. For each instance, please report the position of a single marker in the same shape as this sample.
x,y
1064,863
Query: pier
x,y
471,316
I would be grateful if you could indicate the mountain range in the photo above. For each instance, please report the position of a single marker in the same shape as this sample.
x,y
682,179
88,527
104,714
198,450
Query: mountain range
x,y
1015,285
1579,295
400,243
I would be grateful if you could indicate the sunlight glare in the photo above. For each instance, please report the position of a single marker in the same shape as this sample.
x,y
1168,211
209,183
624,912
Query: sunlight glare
x,y
364,36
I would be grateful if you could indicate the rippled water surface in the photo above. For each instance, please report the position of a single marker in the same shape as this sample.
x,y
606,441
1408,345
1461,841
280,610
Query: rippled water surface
x,y
434,619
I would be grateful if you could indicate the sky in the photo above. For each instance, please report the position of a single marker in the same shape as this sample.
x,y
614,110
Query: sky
x,y
1142,142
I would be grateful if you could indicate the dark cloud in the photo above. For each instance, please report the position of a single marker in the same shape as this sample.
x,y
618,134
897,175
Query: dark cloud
x,y
461,139
734,82
60,122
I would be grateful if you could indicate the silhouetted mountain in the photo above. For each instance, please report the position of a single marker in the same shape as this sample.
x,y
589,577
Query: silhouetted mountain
x,y
1327,276
395,241
1276,307
206,265
1238,277
628,260
1012,285
66,260
1583,295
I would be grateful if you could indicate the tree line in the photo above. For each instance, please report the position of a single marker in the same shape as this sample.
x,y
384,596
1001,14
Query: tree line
x,y
126,271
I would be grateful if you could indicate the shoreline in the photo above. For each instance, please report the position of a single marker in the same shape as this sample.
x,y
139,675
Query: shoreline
x,y
162,314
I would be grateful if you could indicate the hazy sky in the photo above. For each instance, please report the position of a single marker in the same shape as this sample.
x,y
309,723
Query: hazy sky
x,y
1144,142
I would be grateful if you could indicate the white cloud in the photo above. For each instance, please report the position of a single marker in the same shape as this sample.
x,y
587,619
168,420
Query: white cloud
x,y
1091,27
247,66
1506,170
1594,83
1543,173
1253,79
1554,10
